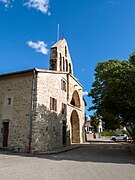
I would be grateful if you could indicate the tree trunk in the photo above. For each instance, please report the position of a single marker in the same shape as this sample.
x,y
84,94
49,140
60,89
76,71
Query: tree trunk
x,y
131,130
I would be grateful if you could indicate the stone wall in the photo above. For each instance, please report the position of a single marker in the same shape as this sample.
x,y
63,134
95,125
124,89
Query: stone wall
x,y
47,124
18,88
75,86
60,52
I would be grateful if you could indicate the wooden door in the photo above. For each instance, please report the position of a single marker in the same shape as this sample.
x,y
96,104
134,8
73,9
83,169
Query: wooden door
x,y
5,133
64,133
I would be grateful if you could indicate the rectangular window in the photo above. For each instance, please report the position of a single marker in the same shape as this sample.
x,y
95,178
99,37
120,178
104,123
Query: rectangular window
x,y
64,109
63,85
53,104
8,101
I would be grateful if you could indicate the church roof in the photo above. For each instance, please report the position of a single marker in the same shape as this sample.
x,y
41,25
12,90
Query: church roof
x,y
30,71
59,43
17,72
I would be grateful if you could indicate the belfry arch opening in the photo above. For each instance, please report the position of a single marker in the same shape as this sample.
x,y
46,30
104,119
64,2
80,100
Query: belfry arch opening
x,y
63,64
75,99
70,69
60,62
75,127
66,65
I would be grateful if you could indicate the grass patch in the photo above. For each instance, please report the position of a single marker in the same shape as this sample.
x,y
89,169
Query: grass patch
x,y
108,133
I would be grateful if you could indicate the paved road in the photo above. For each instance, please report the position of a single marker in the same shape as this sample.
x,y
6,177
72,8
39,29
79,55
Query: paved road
x,y
89,162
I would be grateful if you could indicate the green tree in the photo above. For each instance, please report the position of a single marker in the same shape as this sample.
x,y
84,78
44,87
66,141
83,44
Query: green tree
x,y
132,58
94,123
113,91
110,122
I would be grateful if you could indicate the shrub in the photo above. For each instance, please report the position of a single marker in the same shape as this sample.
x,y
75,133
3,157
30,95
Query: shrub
x,y
108,133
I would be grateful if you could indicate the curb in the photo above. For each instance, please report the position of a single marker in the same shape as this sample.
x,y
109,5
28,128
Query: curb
x,y
34,154
101,141
58,151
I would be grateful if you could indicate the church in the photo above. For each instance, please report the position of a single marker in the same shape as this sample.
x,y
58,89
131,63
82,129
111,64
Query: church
x,y
42,110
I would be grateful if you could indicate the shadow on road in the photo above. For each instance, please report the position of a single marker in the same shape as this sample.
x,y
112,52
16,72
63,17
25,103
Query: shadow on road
x,y
101,153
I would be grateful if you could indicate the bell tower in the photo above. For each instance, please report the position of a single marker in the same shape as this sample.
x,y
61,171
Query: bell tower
x,y
60,59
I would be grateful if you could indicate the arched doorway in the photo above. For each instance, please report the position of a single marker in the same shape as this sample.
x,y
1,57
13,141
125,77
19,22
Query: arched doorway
x,y
75,127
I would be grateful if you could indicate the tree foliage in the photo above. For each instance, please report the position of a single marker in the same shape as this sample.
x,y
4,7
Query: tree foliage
x,y
110,122
113,92
94,123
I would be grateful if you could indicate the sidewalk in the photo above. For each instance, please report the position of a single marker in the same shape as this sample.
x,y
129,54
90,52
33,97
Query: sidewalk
x,y
57,151
101,139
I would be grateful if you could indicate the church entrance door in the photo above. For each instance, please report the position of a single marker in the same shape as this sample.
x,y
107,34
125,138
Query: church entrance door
x,y
75,127
64,133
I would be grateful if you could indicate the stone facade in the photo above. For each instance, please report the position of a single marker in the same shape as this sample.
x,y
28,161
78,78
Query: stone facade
x,y
42,110
18,89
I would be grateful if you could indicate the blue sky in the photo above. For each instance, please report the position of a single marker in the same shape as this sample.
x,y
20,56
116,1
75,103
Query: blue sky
x,y
96,30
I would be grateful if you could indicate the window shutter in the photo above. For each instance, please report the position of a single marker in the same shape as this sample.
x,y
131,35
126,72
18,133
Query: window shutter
x,y
50,103
65,109
63,85
55,104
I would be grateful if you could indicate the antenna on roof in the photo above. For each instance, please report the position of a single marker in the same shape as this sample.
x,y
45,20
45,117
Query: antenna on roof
x,y
62,35
58,32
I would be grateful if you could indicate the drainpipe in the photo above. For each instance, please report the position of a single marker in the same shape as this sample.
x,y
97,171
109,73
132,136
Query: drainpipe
x,y
67,87
31,110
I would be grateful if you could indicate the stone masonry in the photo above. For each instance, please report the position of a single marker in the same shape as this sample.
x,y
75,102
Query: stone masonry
x,y
43,109
18,88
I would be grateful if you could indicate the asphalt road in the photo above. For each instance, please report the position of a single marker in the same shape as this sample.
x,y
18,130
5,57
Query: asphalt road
x,y
89,162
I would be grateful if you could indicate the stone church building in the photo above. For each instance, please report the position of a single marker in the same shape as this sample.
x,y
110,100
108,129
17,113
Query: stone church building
x,y
42,110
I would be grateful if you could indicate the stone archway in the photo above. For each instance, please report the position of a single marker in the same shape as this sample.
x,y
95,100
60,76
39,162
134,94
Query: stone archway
x,y
75,127
75,99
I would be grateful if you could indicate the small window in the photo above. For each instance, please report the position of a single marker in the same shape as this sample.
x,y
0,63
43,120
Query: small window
x,y
46,128
8,101
63,85
64,109
53,104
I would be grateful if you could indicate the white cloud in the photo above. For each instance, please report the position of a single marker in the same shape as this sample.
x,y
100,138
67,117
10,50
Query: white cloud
x,y
85,93
7,3
40,5
39,46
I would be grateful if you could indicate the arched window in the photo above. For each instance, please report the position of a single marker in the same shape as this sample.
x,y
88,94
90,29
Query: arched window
x,y
66,66
65,51
60,62
70,70
75,99
63,64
